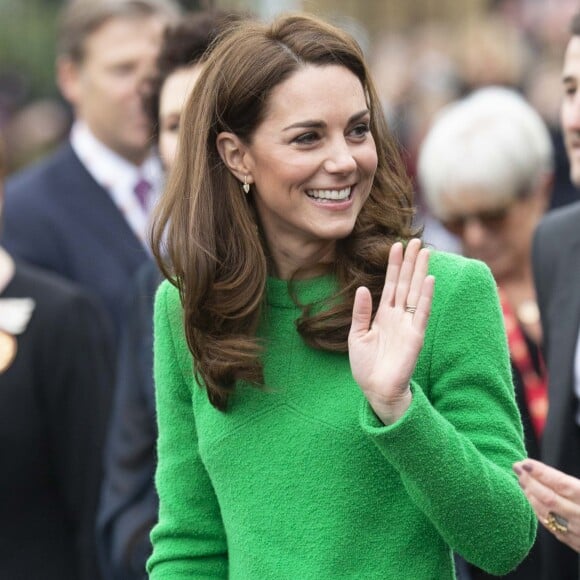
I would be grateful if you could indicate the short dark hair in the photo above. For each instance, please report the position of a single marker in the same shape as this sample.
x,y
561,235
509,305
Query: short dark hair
x,y
185,44
575,25
80,18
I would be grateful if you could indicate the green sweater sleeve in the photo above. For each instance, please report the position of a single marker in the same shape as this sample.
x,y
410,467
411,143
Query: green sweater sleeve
x,y
189,539
455,445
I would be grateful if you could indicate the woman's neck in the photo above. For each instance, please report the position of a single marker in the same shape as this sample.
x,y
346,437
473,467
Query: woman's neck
x,y
303,260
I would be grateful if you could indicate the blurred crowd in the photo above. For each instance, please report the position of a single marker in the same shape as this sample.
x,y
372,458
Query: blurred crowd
x,y
517,44
514,43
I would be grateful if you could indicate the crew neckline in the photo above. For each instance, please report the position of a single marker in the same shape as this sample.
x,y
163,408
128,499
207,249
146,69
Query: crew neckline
x,y
308,291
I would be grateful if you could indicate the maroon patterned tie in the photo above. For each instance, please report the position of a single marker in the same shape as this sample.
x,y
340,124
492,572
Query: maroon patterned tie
x,y
142,189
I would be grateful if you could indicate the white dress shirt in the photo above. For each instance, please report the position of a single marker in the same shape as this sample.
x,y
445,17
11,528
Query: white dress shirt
x,y
14,312
118,177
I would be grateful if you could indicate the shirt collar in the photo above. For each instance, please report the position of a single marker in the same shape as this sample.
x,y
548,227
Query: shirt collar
x,y
108,168
6,269
15,313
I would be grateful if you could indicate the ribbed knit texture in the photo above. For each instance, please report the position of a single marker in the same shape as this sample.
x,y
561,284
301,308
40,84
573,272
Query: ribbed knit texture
x,y
301,481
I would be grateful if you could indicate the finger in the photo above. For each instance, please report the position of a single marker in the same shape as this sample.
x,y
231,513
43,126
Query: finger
x,y
565,485
406,273
419,275
421,316
545,500
392,276
362,311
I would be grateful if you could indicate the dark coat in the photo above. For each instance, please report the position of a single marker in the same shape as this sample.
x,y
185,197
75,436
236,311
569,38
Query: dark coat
x,y
129,501
556,263
54,402
57,217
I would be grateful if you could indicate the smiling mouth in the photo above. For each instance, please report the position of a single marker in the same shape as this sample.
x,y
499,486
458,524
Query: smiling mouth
x,y
330,195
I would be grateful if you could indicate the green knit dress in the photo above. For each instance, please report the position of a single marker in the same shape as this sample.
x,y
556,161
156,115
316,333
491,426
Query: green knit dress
x,y
301,481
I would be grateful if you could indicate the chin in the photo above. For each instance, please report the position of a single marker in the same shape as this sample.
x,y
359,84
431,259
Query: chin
x,y
338,233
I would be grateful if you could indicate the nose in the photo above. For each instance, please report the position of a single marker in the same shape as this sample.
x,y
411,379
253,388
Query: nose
x,y
339,158
474,235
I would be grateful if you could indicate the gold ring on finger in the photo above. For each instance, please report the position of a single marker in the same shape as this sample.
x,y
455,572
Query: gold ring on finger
x,y
411,309
556,523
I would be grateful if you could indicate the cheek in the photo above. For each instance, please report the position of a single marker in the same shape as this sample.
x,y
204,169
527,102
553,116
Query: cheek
x,y
566,115
369,160
167,147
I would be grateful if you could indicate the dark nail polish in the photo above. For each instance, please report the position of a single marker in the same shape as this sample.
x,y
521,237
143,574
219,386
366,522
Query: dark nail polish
x,y
527,467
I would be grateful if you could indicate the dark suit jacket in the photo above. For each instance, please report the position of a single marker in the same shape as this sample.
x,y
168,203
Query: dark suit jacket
x,y
556,263
54,402
129,503
57,217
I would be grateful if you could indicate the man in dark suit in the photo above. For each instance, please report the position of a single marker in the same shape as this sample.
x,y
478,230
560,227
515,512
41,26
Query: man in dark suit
x,y
555,493
83,213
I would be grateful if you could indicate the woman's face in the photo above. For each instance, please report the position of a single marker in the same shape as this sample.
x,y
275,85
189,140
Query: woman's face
x,y
312,161
498,233
174,94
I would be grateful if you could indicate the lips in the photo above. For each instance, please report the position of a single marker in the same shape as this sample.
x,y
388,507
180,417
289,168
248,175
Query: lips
x,y
330,194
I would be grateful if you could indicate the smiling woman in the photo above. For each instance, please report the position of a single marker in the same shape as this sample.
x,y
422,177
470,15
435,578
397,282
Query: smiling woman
x,y
311,388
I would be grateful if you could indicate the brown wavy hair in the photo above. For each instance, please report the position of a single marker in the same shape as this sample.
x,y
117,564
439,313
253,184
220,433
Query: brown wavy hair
x,y
206,235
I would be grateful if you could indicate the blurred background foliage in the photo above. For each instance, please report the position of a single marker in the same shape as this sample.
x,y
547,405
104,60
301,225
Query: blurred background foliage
x,y
27,29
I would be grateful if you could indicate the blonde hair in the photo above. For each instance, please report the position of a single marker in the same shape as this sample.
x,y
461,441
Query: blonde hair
x,y
492,141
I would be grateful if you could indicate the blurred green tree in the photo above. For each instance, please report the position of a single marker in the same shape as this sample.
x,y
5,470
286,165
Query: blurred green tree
x,y
27,32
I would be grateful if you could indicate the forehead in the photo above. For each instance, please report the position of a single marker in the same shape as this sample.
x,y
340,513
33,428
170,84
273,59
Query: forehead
x,y
469,200
571,69
316,92
177,87
134,34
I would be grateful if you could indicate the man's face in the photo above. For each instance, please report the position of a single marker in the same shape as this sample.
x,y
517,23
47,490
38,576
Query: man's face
x,y
105,88
570,111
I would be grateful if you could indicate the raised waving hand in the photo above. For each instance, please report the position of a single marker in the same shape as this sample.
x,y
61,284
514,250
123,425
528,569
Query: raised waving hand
x,y
383,351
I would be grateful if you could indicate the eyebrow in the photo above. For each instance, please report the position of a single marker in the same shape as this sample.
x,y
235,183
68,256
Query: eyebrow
x,y
568,79
311,124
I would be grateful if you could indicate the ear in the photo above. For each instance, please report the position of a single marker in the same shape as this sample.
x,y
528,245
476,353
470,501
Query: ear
x,y
68,79
235,155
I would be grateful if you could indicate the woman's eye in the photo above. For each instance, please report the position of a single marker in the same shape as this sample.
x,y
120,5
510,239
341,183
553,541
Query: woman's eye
x,y
169,123
360,130
306,138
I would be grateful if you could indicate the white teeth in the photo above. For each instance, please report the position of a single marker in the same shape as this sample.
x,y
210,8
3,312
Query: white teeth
x,y
339,194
